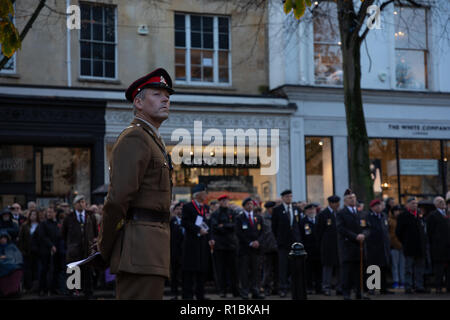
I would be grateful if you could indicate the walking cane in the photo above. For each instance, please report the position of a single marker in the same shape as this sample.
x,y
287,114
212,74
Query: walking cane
x,y
361,267
216,280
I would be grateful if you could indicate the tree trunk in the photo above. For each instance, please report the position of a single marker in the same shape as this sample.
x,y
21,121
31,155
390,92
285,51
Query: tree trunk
x,y
361,181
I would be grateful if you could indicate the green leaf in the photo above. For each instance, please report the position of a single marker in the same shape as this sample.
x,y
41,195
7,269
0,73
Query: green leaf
x,y
9,37
288,6
300,8
6,8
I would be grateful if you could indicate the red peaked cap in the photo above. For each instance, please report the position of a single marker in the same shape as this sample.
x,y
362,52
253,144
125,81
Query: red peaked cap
x,y
158,78
224,196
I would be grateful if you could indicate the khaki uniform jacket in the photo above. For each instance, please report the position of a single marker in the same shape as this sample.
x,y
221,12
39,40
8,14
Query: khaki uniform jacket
x,y
140,177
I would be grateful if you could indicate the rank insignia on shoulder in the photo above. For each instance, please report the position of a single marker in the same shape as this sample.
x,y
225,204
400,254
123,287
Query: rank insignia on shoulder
x,y
363,223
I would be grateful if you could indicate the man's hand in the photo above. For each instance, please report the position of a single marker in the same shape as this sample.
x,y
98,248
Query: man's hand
x,y
2,257
203,231
220,225
53,249
255,244
360,237
211,243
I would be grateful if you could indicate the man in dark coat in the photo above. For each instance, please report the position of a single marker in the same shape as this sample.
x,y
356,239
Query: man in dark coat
x,y
285,226
311,243
49,237
352,230
197,239
438,230
8,224
270,253
327,235
223,232
378,242
249,230
176,249
410,231
79,232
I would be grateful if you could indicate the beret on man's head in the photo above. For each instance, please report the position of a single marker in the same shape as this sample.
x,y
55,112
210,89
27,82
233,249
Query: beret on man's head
x,y
158,78
310,205
333,199
348,192
286,192
374,202
78,198
198,188
269,204
246,200
222,197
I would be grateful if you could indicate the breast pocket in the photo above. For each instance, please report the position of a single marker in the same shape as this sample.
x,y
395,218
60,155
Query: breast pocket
x,y
159,174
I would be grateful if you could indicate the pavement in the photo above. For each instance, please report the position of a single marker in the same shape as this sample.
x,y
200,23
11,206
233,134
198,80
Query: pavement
x,y
212,295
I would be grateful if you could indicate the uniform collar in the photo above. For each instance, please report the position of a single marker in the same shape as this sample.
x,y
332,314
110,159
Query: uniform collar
x,y
152,127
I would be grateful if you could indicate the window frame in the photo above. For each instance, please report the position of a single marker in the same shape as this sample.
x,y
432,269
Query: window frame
x,y
426,52
216,50
115,43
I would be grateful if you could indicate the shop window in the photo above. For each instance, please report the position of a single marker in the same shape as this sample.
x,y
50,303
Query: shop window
x,y
383,166
327,45
319,169
411,47
16,164
419,163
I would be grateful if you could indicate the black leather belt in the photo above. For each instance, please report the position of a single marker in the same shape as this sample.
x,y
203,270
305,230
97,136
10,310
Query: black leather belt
x,y
141,214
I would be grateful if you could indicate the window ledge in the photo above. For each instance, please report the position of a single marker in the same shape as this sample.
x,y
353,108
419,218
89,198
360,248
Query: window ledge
x,y
94,80
208,87
9,75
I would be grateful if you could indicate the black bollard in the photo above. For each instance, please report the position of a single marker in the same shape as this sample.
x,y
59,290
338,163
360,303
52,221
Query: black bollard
x,y
297,258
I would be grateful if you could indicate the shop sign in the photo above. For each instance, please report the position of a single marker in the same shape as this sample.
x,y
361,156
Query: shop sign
x,y
419,167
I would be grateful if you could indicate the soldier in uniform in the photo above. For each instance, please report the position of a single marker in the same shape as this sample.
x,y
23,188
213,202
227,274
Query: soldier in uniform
x,y
197,239
249,229
223,233
270,253
352,230
285,226
135,234
327,235
378,242
310,240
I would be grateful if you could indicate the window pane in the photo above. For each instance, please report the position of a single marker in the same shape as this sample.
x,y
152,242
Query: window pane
x,y
85,31
110,33
326,24
196,40
97,51
327,64
196,57
223,75
223,25
223,58
85,12
180,39
180,22
110,16
110,52
319,169
16,163
410,69
223,41
208,40
383,166
85,50
98,31
196,23
207,24
98,68
97,14
196,73
410,28
180,73
86,67
419,168
110,69
180,56
208,74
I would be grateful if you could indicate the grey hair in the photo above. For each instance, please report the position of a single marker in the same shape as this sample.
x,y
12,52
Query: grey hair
x,y
437,199
140,95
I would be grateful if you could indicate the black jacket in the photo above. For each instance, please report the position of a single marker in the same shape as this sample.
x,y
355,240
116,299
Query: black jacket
x,y
411,233
284,233
49,236
196,249
327,235
310,239
349,225
223,230
378,242
269,244
438,230
11,226
247,232
176,241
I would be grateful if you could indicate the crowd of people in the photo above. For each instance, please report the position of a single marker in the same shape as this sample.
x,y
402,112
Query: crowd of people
x,y
242,249
245,248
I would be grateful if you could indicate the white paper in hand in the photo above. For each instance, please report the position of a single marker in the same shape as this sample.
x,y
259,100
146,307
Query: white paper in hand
x,y
199,221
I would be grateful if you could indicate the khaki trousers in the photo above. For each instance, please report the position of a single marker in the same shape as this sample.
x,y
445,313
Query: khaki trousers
x,y
130,286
